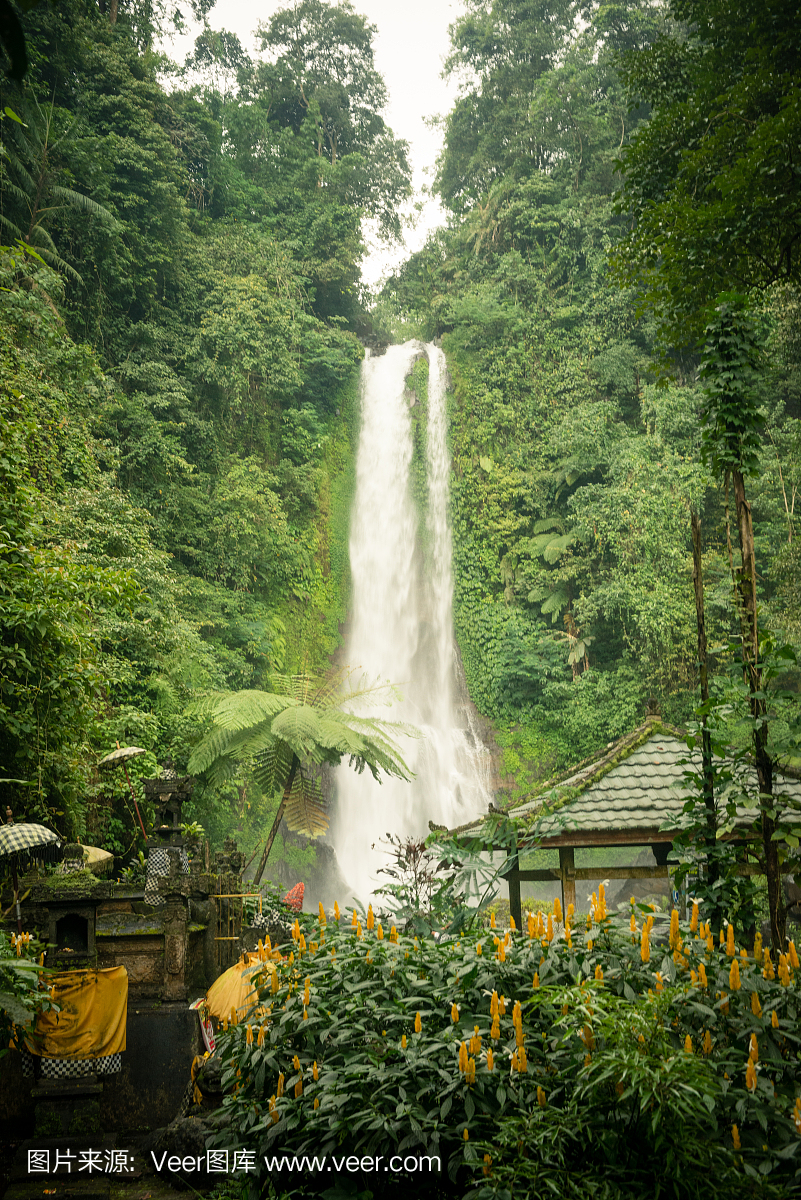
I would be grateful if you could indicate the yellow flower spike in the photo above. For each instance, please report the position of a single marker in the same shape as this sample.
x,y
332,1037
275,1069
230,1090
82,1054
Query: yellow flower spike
x,y
767,965
260,1038
674,928
565,1010
249,1034
784,971
753,1048
557,908
475,1041
688,1044
502,1006
774,1019
463,1057
540,924
393,934
470,1072
296,1062
279,1091
479,949
706,1045
492,921
793,956
321,913
291,958
599,975
702,975
730,947
359,930
296,930
299,1089
536,981
379,933
508,936
751,1076
659,981
693,978
756,1007
512,924
734,975
589,943
633,923
735,1137
531,926
490,1060
517,1013
354,919
495,1031
694,917
501,952
418,1023
370,917
723,937
549,930
316,1102
305,1014
225,1019
466,1136
494,1005
272,1110
541,1098
337,913
645,945
404,1043
454,1014
487,1168
522,1060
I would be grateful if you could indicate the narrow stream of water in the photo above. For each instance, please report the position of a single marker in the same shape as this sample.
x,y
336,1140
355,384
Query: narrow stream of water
x,y
402,624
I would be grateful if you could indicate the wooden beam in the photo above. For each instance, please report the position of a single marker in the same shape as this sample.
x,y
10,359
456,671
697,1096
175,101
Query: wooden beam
x,y
515,907
568,868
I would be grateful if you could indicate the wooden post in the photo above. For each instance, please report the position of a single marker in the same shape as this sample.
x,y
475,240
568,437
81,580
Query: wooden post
x,y
567,868
515,907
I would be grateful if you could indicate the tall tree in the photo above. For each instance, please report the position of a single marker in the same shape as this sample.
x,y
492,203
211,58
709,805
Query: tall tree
x,y
712,181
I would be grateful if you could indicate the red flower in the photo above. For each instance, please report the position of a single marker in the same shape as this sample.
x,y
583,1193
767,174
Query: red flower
x,y
294,897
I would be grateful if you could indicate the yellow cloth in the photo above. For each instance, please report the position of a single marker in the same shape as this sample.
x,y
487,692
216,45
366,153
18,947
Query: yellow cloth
x,y
92,1021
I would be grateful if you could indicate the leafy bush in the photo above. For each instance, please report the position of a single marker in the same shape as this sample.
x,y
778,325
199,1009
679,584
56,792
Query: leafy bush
x,y
610,1069
21,997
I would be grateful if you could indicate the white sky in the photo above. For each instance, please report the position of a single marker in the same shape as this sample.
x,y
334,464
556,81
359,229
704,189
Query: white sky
x,y
410,45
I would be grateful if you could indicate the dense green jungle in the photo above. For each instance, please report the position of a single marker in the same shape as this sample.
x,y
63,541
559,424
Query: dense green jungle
x,y
183,320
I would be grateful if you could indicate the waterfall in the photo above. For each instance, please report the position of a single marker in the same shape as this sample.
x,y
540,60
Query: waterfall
x,y
402,623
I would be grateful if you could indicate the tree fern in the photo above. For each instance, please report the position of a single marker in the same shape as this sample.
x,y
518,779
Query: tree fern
x,y
302,721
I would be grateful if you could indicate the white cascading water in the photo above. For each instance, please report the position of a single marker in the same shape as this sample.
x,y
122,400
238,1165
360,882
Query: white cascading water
x,y
402,625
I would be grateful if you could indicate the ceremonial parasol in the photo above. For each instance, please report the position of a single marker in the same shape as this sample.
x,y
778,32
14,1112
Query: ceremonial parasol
x,y
236,988
24,843
119,758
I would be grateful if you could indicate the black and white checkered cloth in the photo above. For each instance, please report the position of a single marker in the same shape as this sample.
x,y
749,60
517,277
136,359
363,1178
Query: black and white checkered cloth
x,y
158,867
69,1068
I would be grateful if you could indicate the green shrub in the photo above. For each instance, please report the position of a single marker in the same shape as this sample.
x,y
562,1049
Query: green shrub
x,y
608,1091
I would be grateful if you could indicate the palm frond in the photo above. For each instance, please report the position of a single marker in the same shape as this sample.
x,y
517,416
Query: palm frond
x,y
271,769
304,812
299,728
76,200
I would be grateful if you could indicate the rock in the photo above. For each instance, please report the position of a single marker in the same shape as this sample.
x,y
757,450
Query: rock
x,y
185,1137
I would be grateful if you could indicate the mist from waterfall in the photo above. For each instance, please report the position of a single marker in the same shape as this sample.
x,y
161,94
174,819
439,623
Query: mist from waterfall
x,y
402,624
